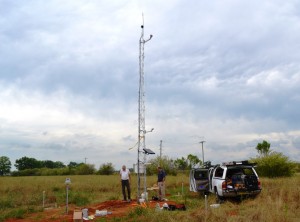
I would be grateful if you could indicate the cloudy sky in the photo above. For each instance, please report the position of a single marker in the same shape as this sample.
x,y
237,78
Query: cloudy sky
x,y
226,72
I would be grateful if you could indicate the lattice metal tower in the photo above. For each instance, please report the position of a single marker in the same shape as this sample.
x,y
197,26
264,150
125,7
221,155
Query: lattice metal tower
x,y
141,128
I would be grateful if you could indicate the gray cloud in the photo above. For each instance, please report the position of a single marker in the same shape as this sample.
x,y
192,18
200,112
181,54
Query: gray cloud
x,y
225,71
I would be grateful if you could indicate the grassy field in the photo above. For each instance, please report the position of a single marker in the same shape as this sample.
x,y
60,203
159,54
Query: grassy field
x,y
279,200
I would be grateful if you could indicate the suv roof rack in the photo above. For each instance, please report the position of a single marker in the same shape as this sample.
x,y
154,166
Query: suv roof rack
x,y
238,163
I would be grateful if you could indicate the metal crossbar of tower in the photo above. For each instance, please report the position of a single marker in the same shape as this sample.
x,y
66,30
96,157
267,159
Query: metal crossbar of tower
x,y
141,122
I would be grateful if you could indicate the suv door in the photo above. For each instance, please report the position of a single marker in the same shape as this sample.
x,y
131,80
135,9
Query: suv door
x,y
199,180
193,186
217,181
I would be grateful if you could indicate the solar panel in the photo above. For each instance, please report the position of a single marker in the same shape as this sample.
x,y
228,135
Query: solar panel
x,y
148,151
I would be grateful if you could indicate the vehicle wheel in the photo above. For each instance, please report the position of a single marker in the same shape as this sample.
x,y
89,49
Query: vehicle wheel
x,y
239,199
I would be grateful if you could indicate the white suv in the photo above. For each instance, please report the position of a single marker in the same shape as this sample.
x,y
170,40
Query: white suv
x,y
234,179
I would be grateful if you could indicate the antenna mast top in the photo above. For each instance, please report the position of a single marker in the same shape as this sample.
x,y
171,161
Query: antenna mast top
x,y
142,26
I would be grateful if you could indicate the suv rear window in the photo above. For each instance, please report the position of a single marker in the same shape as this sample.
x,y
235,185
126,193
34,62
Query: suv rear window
x,y
219,172
201,174
239,171
248,171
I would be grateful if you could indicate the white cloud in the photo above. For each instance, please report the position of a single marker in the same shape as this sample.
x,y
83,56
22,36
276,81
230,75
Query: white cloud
x,y
224,71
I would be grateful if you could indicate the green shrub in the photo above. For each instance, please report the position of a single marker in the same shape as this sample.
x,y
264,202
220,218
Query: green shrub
x,y
85,169
166,163
106,169
274,165
298,167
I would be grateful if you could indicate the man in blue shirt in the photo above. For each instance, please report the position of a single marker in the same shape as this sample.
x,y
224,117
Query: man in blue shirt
x,y
161,178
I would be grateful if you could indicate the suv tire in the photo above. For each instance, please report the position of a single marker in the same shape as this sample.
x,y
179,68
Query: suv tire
x,y
219,199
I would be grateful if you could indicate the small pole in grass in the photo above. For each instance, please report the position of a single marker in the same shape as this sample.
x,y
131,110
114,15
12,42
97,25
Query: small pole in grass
x,y
43,199
182,183
205,203
67,182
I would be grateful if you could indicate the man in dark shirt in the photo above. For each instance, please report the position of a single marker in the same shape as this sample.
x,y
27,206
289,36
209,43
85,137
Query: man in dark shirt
x,y
161,178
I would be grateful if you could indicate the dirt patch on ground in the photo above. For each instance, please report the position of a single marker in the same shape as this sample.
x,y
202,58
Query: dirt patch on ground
x,y
116,208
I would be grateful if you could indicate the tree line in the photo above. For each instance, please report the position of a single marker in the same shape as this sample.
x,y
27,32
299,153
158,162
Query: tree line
x,y
28,166
269,164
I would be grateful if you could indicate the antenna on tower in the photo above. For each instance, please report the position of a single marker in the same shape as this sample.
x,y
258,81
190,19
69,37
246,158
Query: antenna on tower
x,y
160,149
141,116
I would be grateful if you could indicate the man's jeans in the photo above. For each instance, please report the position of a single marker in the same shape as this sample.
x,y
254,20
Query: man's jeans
x,y
161,190
125,183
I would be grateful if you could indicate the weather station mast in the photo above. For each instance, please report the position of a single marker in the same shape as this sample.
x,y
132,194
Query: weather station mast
x,y
141,165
